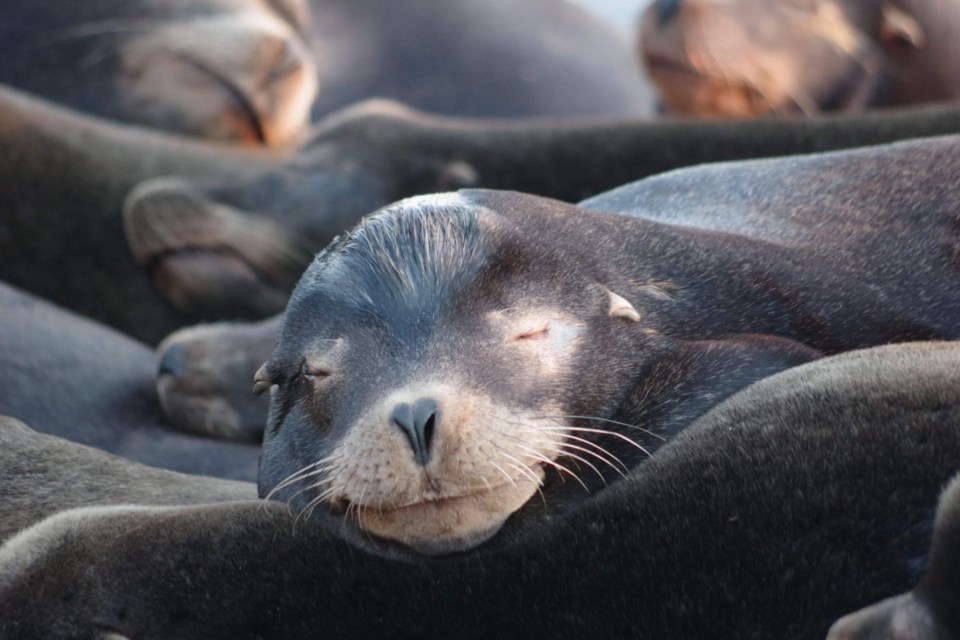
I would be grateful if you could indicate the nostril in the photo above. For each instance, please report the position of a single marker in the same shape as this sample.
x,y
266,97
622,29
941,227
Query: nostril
x,y
666,10
173,361
419,423
428,430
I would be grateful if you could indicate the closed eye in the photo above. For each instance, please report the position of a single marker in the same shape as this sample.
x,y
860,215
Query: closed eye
x,y
532,334
312,372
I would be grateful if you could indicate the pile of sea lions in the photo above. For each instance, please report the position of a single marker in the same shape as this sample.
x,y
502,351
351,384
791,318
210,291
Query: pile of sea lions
x,y
464,372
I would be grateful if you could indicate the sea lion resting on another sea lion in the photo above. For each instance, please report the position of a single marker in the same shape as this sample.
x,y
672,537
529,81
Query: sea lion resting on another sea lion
x,y
451,357
791,210
803,497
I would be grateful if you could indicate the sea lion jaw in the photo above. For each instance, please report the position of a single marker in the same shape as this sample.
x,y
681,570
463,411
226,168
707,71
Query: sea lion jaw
x,y
244,77
452,485
744,59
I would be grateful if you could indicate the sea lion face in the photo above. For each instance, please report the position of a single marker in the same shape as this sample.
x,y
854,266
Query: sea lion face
x,y
427,375
742,58
237,70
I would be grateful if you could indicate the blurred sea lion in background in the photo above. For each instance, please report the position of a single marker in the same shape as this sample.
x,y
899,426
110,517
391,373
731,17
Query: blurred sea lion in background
x,y
249,70
237,70
744,58
68,376
496,58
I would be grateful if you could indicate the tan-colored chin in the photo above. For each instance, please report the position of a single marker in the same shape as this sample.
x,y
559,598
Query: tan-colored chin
x,y
453,524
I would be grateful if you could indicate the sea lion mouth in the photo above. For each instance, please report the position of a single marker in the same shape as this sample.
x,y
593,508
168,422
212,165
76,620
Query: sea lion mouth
x,y
440,523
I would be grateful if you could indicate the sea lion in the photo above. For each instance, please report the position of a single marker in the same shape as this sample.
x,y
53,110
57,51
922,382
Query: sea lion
x,y
778,201
355,163
793,501
500,58
930,610
68,376
42,474
223,69
249,71
409,341
744,58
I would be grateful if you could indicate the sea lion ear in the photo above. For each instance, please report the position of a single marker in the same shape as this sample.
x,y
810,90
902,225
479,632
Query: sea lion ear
x,y
621,308
901,28
261,380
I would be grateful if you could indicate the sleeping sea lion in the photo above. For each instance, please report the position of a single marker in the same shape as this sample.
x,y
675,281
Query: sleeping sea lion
x,y
237,70
784,203
741,58
68,376
795,500
436,363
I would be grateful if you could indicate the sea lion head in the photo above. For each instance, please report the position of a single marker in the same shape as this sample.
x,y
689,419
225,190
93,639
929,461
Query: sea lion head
x,y
237,70
743,58
434,366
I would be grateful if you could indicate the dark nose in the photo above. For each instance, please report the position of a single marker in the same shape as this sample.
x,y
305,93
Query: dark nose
x,y
418,422
666,10
173,362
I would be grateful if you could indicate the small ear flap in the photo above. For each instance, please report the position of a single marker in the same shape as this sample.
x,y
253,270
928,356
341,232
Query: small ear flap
x,y
901,28
457,175
261,380
621,308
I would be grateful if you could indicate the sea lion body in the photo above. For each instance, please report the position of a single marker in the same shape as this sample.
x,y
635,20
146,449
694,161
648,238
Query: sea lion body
x,y
502,58
238,71
247,71
43,474
67,376
436,346
795,500
752,58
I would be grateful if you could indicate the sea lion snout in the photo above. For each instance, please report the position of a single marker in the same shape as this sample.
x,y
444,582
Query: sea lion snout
x,y
418,422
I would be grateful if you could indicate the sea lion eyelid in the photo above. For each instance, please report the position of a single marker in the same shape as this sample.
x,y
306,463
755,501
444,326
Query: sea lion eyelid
x,y
537,332
313,371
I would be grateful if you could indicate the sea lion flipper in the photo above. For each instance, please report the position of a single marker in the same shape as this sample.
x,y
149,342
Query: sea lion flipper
x,y
201,252
899,618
